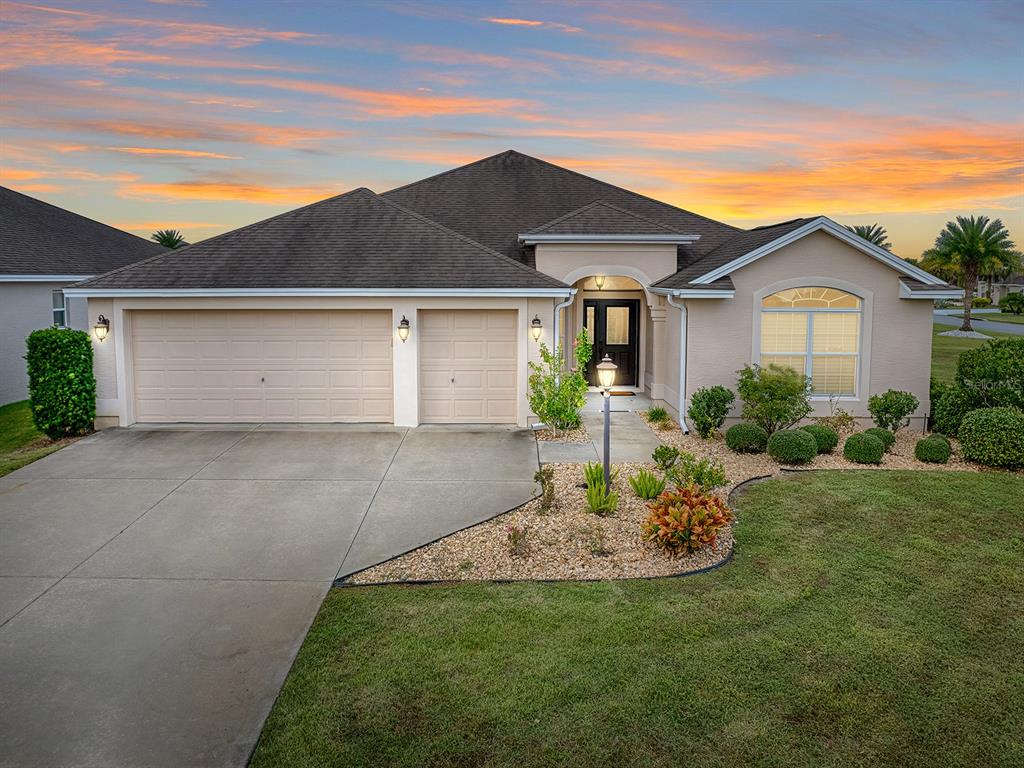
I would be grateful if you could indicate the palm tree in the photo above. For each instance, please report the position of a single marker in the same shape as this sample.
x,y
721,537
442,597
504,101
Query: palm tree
x,y
968,247
873,233
168,238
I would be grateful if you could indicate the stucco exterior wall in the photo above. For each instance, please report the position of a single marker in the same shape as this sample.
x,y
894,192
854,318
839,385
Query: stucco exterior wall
x,y
723,334
645,263
26,307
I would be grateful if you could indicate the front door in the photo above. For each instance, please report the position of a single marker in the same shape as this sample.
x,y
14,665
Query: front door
x,y
613,325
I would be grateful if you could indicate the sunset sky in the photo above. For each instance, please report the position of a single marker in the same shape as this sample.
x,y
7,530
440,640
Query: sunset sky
x,y
204,116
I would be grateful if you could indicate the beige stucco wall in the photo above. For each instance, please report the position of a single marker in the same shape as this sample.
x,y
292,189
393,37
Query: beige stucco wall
x,y
645,263
113,356
896,333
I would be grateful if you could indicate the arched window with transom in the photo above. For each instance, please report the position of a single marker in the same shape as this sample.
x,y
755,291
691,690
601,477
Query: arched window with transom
x,y
816,331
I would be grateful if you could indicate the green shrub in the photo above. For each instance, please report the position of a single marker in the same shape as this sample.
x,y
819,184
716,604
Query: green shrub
x,y
936,389
887,437
934,450
792,446
994,372
646,485
657,415
708,408
774,397
665,456
955,403
826,437
980,302
685,520
891,408
746,438
839,420
863,448
1012,303
601,500
942,437
557,395
994,437
705,473
593,473
61,384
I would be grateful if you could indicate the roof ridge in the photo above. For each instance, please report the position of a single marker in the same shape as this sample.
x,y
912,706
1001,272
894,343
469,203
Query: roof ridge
x,y
244,228
453,170
81,216
489,251
606,204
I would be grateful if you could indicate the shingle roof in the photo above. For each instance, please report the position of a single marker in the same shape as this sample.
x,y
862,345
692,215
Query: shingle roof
x,y
916,286
495,199
37,238
355,240
601,218
737,246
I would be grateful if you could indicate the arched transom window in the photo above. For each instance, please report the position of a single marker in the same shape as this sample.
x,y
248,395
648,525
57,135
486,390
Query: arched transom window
x,y
815,331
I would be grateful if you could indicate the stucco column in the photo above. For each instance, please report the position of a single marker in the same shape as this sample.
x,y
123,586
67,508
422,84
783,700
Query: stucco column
x,y
658,366
405,376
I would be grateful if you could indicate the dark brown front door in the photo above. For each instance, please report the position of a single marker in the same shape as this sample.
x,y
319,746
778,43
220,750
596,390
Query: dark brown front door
x,y
614,327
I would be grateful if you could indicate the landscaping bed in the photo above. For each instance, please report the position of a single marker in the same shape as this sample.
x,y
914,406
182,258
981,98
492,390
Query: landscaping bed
x,y
578,435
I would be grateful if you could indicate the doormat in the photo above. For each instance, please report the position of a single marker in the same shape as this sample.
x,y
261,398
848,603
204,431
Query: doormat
x,y
622,394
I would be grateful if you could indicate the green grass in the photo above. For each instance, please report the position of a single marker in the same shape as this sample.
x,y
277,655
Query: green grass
x,y
869,618
1001,317
20,442
946,350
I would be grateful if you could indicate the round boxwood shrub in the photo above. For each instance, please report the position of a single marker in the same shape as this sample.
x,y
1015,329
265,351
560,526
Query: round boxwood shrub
x,y
942,437
934,449
887,437
826,437
746,438
863,448
61,384
955,403
994,437
792,446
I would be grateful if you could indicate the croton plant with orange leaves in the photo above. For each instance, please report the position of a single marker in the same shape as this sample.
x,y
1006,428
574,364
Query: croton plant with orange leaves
x,y
685,520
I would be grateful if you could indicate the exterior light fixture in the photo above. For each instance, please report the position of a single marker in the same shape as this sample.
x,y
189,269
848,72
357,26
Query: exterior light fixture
x,y
403,329
536,327
606,376
102,327
599,279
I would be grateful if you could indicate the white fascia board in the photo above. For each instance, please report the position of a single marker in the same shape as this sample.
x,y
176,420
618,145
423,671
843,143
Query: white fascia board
x,y
950,293
696,293
43,278
590,239
822,224
165,293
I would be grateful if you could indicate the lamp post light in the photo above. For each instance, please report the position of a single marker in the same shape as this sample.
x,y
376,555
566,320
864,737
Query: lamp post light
x,y
606,377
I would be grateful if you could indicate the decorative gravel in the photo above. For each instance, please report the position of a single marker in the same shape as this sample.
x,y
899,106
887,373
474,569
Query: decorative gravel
x,y
578,435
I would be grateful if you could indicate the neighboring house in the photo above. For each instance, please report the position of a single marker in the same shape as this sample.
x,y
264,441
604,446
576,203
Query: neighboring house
x,y
300,317
1001,287
42,249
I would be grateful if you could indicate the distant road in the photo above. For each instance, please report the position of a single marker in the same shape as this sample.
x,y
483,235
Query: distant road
x,y
981,325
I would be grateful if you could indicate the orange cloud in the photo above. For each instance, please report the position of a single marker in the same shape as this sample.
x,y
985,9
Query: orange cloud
x,y
513,22
159,152
19,174
249,192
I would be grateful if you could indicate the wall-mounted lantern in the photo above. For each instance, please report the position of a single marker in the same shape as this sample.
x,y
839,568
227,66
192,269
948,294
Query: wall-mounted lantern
x,y
102,327
403,329
599,280
536,327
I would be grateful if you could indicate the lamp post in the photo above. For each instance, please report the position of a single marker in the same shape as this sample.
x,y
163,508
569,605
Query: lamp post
x,y
606,377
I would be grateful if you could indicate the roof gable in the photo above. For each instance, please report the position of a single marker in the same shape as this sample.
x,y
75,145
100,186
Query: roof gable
x,y
354,241
42,239
601,218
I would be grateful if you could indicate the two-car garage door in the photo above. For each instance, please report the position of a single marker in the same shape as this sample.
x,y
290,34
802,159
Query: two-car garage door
x,y
319,366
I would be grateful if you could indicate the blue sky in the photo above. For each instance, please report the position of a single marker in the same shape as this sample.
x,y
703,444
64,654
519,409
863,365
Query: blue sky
x,y
208,115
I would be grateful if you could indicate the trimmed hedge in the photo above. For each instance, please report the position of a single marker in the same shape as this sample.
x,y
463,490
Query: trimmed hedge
x,y
61,384
863,448
994,437
746,438
942,437
792,446
887,437
955,403
934,449
826,437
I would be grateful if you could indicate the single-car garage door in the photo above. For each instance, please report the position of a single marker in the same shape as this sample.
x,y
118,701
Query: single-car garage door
x,y
468,366
251,366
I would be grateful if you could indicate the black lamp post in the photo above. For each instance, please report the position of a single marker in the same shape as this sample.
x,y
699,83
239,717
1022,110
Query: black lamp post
x,y
606,377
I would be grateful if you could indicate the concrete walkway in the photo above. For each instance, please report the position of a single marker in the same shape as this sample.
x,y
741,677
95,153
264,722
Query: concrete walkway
x,y
983,326
156,584
630,437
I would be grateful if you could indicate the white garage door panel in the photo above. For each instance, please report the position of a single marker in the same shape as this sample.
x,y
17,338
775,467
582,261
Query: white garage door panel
x,y
468,366
244,365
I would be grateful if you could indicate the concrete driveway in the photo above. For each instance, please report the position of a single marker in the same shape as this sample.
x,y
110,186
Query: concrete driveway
x,y
155,584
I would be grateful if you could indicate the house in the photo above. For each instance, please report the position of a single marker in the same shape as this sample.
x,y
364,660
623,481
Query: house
x,y
42,249
1000,288
419,305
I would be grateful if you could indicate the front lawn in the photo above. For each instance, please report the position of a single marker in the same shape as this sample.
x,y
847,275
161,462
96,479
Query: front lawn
x,y
868,618
946,350
20,442
999,317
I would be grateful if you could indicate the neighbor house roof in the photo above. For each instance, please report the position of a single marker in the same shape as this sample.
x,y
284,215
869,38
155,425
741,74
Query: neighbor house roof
x,y
496,199
37,238
358,240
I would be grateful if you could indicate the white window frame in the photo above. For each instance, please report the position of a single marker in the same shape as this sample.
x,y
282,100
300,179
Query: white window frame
x,y
862,370
63,308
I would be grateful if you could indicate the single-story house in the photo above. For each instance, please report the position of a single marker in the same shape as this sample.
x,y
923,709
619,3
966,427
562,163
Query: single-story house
x,y
421,305
42,249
